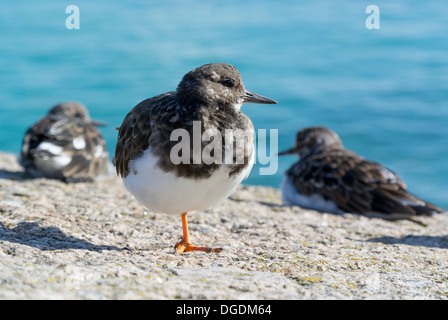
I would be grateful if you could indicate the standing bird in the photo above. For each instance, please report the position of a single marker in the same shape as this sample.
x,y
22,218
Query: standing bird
x,y
207,98
330,178
65,145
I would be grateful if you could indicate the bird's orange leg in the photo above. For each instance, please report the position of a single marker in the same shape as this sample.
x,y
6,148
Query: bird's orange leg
x,y
185,245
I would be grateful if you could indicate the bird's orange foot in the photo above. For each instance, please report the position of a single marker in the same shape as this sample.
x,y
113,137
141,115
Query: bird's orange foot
x,y
185,246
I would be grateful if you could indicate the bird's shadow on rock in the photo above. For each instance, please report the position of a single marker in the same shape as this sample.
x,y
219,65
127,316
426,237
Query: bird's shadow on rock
x,y
47,238
15,175
413,240
264,203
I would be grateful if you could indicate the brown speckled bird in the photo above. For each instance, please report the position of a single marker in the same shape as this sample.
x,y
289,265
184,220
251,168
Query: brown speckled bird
x,y
65,145
212,96
330,178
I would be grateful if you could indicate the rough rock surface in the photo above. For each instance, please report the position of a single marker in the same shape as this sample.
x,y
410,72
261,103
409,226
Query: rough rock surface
x,y
94,241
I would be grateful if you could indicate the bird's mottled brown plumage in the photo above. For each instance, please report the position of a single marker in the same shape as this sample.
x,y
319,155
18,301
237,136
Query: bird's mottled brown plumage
x,y
63,124
353,183
204,111
206,94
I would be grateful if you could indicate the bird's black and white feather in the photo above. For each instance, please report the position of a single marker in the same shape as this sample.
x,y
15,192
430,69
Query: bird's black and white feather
x,y
65,145
330,178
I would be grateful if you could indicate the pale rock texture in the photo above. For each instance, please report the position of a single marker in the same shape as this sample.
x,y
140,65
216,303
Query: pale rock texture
x,y
94,241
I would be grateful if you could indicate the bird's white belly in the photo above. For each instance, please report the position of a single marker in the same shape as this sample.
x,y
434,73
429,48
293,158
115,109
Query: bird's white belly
x,y
290,196
162,191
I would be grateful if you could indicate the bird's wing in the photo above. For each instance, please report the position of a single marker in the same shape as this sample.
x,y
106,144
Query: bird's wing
x,y
355,184
87,149
137,131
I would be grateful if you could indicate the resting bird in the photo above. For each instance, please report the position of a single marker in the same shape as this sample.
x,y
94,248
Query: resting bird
x,y
330,178
65,145
207,99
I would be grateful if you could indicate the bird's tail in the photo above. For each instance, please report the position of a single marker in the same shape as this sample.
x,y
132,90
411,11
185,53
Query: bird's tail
x,y
403,203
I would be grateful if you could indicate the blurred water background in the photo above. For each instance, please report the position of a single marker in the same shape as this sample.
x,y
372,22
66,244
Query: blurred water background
x,y
385,92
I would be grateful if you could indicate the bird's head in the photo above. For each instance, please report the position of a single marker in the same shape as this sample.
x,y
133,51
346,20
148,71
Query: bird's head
x,y
72,110
313,140
216,84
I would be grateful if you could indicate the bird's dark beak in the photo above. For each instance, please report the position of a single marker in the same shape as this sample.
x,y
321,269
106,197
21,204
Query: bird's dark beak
x,y
98,123
286,152
252,97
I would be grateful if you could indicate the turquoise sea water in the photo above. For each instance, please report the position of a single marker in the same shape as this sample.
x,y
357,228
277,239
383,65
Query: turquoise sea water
x,y
385,92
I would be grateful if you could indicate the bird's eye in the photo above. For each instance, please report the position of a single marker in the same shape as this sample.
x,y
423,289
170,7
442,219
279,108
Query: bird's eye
x,y
227,83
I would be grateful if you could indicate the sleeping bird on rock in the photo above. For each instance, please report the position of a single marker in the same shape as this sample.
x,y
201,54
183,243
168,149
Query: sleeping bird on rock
x,y
330,178
65,145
